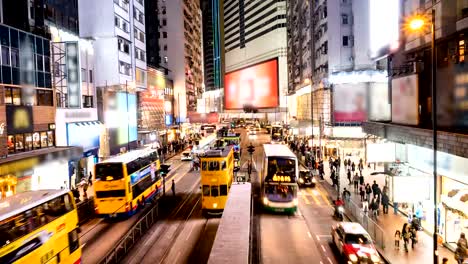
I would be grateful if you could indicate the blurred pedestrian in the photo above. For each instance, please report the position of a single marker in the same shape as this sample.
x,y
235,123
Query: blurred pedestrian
x,y
406,234
346,195
397,239
365,205
362,193
353,167
374,206
173,187
462,247
375,186
414,236
355,181
368,191
361,179
90,179
349,176
385,201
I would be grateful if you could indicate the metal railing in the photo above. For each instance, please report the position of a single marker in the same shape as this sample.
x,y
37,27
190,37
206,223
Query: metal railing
x,y
365,219
124,245
85,210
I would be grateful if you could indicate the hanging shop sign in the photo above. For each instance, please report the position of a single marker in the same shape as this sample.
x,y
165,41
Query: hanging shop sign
x,y
19,119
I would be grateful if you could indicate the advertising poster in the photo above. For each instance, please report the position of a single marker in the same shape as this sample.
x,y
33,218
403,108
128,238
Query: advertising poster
x,y
255,86
403,185
405,100
152,105
381,152
19,119
121,117
350,102
379,102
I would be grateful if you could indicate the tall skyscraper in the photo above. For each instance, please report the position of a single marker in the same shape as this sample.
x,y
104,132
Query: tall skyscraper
x,y
181,52
255,46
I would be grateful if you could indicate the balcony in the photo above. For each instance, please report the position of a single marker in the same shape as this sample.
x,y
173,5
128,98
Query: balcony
x,y
463,22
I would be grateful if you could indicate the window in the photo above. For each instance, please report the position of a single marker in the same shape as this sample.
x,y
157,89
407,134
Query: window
x,y
11,143
213,166
165,47
12,95
44,140
344,19
50,138
122,3
138,15
164,34
461,50
19,142
39,62
124,45
44,97
87,101
124,68
165,59
345,41
139,35
140,1
83,75
5,55
125,26
117,21
31,9
164,22
223,190
28,141
214,191
36,140
91,76
142,37
223,165
206,190
15,58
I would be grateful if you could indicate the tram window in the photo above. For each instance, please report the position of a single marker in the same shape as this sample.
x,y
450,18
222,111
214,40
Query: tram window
x,y
213,166
206,190
203,166
223,165
223,190
214,191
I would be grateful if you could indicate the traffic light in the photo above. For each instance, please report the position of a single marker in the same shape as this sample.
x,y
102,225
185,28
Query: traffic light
x,y
165,169
251,149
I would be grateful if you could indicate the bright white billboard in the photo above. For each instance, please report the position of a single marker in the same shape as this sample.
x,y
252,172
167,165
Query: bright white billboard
x,y
384,26
405,104
381,152
405,190
379,102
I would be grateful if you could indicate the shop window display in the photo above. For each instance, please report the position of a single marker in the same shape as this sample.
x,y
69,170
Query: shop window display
x,y
28,141
44,139
50,138
454,200
11,144
19,142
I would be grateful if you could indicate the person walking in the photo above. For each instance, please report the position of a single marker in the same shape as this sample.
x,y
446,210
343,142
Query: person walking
x,y
353,167
349,176
375,186
368,191
461,251
385,200
397,239
374,207
414,236
173,188
365,205
362,193
361,179
90,179
356,182
406,234
346,195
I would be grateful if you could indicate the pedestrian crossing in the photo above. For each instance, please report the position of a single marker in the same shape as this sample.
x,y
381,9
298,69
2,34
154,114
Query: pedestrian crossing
x,y
316,196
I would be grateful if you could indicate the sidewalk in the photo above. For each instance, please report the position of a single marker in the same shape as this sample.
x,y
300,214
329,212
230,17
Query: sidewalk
x,y
422,252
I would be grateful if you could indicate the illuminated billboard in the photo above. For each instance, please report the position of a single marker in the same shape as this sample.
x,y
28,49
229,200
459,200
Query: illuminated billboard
x,y
384,33
255,86
405,102
121,118
350,102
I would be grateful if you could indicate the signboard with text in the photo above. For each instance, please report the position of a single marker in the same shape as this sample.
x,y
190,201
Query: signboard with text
x,y
19,119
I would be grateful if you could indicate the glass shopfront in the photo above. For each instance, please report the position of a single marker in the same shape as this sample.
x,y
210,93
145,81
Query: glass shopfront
x,y
454,210
30,141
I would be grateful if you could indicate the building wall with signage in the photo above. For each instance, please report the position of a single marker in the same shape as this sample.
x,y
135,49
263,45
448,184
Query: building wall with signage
x,y
65,116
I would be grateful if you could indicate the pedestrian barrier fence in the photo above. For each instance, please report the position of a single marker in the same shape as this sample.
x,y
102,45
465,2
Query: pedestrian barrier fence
x,y
85,210
123,246
365,219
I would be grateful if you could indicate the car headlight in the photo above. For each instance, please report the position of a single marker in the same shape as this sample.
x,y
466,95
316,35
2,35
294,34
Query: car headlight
x,y
295,202
301,180
353,257
265,201
375,258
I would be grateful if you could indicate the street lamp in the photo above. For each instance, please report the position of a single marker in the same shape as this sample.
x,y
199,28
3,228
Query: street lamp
x,y
418,24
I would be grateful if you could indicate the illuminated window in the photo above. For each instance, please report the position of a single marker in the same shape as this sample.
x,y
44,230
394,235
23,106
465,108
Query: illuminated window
x,y
50,138
19,142
28,141
11,144
461,50
12,96
36,140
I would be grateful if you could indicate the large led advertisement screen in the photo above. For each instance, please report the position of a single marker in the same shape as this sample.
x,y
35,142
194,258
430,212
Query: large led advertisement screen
x,y
255,86
350,102
405,103
121,118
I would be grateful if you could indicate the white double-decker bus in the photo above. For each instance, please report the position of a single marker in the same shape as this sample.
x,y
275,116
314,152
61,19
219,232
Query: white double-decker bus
x,y
280,172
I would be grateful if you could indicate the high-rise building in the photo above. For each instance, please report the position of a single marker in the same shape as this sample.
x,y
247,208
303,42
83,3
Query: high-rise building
x,y
255,54
404,137
331,70
181,52
118,30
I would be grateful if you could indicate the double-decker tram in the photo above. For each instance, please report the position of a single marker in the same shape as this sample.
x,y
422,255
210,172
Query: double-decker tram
x,y
279,178
39,227
277,134
217,172
125,182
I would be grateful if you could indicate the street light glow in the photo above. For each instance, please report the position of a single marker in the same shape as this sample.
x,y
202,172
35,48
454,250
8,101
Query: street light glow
x,y
416,23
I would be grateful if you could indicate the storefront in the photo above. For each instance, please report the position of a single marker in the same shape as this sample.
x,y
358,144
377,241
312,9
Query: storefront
x,y
45,169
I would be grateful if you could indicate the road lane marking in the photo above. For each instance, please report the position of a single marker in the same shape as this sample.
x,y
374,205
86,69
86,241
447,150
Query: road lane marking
x,y
324,196
190,232
318,237
308,233
314,196
177,257
329,260
323,248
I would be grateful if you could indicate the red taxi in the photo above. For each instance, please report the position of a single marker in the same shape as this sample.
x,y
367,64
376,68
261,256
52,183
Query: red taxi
x,y
354,243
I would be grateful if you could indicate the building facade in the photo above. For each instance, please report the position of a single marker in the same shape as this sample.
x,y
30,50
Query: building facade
x,y
408,131
255,35
181,52
117,29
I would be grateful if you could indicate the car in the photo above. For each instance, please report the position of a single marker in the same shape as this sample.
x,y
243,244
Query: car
x,y
306,178
354,243
252,131
186,156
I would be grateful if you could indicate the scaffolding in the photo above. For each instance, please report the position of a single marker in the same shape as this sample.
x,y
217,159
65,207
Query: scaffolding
x,y
59,76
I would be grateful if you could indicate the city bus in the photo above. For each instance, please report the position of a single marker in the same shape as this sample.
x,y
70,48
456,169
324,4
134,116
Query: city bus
x,y
280,172
217,172
123,184
39,227
277,134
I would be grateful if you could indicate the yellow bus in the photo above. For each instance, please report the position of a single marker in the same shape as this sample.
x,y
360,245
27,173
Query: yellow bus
x,y
39,227
217,172
124,183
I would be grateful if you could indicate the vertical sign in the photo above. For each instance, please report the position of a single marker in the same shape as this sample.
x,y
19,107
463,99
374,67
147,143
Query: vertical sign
x,y
73,74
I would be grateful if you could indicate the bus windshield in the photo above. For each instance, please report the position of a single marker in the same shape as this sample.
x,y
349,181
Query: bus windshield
x,y
281,167
104,170
280,193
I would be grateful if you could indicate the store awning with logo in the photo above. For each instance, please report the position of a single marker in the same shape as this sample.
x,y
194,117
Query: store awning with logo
x,y
84,134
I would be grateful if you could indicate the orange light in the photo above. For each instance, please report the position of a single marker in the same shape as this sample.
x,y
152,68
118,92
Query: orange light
x,y
416,24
